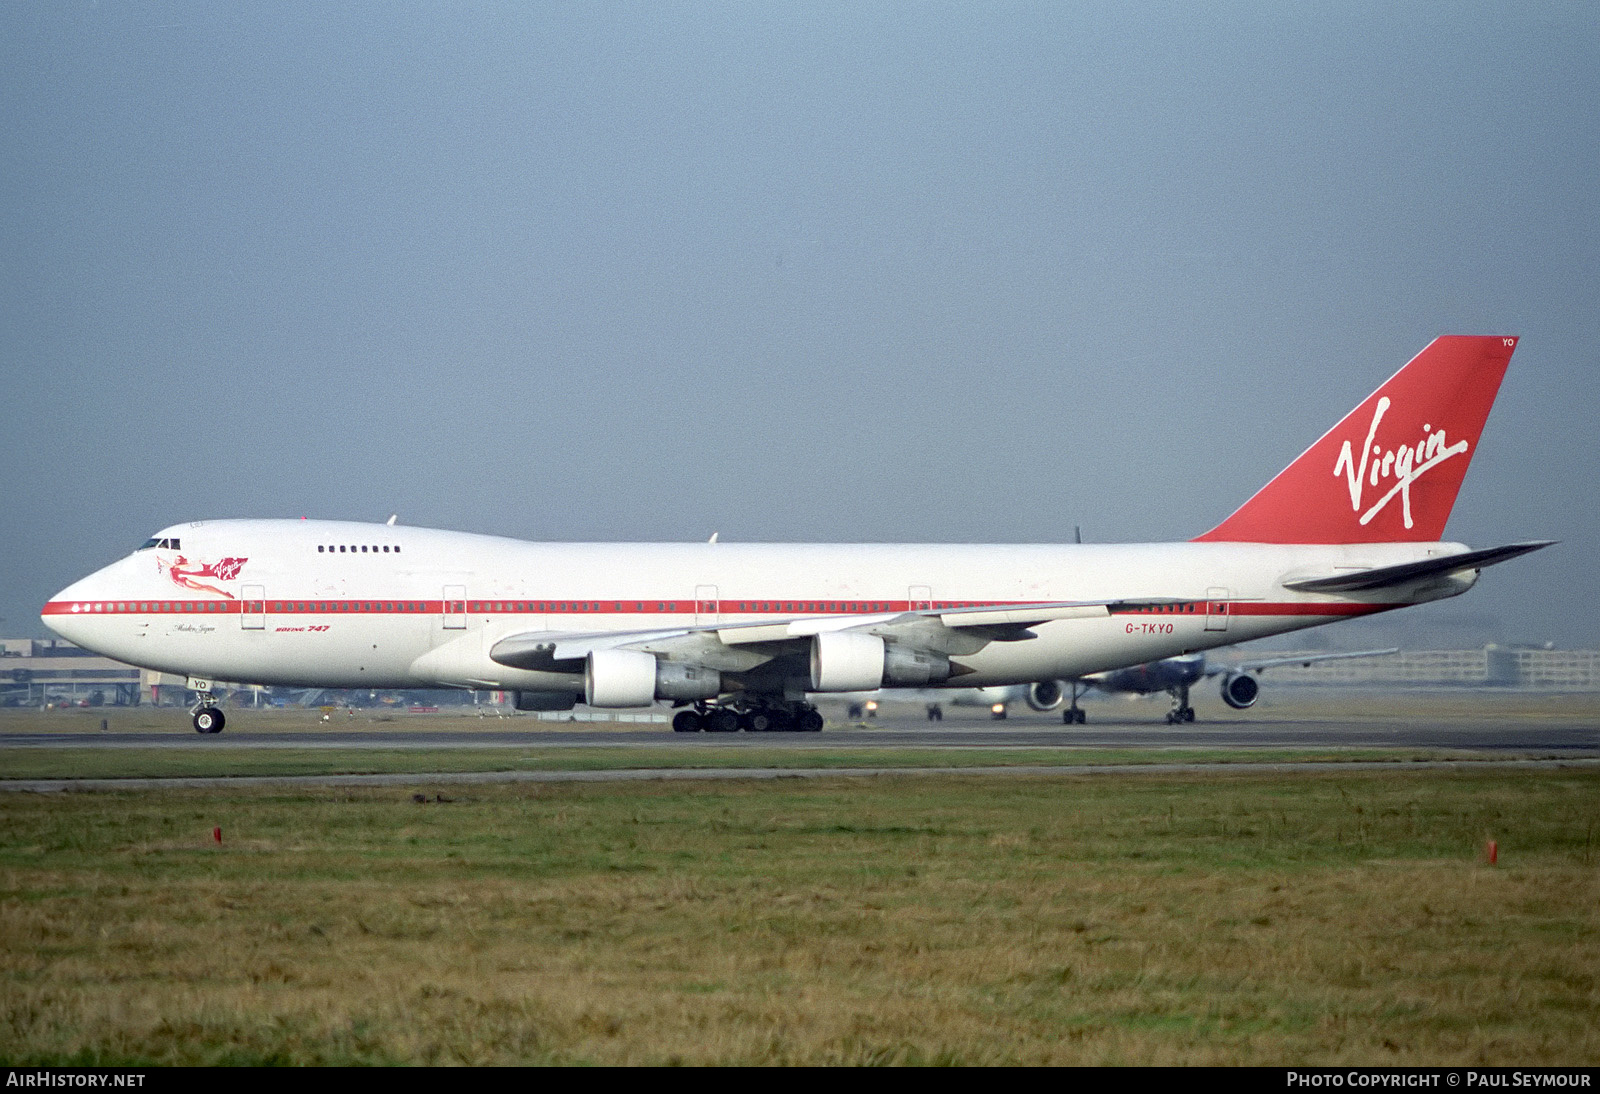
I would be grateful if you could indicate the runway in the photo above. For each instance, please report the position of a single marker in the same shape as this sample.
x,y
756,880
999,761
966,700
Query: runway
x,y
1498,723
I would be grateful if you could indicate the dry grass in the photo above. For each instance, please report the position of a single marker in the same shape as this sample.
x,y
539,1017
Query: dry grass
x,y
1332,919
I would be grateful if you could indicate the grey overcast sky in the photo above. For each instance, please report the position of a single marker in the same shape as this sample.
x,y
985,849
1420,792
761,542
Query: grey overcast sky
x,y
881,272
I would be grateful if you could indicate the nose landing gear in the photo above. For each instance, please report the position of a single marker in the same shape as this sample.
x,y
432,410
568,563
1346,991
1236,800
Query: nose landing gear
x,y
205,714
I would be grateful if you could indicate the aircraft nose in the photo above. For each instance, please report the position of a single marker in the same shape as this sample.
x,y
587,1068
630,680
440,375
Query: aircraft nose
x,y
73,612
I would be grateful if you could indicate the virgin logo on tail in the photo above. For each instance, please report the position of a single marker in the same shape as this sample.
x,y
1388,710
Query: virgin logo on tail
x,y
1453,380
1405,464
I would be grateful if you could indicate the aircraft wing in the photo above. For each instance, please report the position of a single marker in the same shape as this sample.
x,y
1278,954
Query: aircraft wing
x,y
958,631
1384,576
1264,663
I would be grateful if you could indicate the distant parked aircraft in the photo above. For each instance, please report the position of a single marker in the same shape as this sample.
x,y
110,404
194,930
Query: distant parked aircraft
x,y
1174,675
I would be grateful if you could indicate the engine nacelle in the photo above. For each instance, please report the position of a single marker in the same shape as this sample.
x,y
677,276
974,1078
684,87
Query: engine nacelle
x,y
846,661
1240,692
675,680
908,668
1046,695
632,678
619,678
546,700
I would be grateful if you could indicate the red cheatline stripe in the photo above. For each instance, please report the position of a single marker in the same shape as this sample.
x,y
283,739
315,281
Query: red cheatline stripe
x,y
1257,608
1196,609
496,607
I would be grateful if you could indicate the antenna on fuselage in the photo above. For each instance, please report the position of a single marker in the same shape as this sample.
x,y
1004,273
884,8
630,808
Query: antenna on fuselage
x,y
713,538
392,518
1077,533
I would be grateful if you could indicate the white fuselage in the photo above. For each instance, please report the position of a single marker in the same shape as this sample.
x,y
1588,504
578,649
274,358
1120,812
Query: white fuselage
x,y
279,602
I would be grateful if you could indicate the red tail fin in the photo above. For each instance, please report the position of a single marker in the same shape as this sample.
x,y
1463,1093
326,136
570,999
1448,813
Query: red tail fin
x,y
1390,471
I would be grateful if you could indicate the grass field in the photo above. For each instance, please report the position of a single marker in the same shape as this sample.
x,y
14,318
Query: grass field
x,y
1340,917
130,763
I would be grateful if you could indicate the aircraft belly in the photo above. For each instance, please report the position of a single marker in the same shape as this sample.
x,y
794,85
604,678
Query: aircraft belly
x,y
1076,648
288,652
464,661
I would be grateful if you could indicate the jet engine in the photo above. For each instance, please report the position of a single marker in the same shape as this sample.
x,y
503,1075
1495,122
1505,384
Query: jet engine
x,y
1046,695
908,668
675,680
1240,691
849,661
633,678
846,662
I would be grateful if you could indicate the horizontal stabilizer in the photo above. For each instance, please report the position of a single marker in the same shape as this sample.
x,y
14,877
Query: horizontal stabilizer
x,y
1383,577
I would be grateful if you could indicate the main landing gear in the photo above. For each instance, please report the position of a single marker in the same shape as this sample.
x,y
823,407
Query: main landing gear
x,y
769,718
1073,715
1181,711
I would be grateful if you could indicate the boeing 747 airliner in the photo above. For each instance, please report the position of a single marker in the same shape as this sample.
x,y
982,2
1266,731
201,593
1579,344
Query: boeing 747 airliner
x,y
739,635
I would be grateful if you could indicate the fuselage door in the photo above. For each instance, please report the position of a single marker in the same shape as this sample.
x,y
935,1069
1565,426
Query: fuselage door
x,y
1217,609
455,608
253,608
920,598
705,604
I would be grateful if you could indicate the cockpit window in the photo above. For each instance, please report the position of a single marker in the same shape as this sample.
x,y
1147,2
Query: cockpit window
x,y
169,544
149,543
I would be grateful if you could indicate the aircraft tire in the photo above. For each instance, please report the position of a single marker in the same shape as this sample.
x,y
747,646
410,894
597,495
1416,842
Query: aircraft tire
x,y
756,721
686,721
722,720
209,720
809,722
